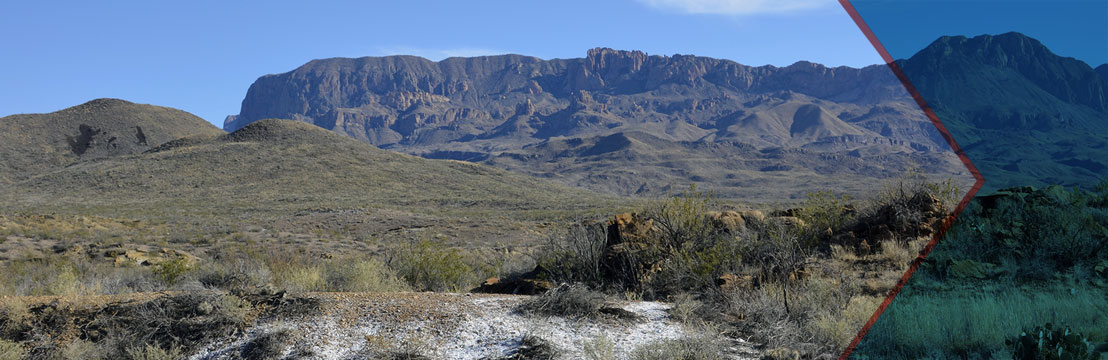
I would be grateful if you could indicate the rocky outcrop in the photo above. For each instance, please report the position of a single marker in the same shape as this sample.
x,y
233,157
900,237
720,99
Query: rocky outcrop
x,y
406,100
509,110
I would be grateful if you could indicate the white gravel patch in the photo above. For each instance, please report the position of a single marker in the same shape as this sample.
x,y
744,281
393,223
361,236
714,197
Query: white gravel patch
x,y
472,327
497,331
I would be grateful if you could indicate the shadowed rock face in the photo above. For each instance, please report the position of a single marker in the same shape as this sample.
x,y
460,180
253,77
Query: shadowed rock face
x,y
406,100
505,110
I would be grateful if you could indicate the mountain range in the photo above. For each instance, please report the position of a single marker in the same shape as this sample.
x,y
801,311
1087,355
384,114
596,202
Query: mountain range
x,y
1023,115
622,122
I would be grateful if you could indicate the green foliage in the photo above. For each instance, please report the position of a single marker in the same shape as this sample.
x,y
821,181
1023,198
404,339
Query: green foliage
x,y
428,265
1051,343
691,251
363,275
681,219
171,271
1028,235
823,211
946,191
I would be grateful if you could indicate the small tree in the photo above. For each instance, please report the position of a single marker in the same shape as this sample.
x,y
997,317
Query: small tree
x,y
779,254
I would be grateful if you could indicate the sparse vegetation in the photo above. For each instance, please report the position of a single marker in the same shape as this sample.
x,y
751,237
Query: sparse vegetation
x,y
787,280
688,348
532,347
599,348
1015,259
10,350
266,346
150,352
430,266
575,301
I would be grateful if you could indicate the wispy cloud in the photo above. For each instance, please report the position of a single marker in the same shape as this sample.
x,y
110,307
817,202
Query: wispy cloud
x,y
737,7
437,54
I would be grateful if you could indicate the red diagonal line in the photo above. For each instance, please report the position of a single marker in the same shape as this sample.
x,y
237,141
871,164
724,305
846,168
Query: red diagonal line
x,y
949,220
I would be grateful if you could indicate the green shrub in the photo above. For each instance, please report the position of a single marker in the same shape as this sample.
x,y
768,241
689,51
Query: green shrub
x,y
302,278
1051,343
364,275
691,251
172,271
681,219
431,266
823,212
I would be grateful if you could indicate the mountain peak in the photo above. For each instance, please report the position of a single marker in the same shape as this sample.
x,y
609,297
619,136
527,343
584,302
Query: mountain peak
x,y
1066,78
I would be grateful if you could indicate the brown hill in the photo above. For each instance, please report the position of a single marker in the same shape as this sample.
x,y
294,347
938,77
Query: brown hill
x,y
274,168
36,143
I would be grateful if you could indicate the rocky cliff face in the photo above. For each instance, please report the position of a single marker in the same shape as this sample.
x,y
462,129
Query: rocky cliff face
x,y
489,107
405,100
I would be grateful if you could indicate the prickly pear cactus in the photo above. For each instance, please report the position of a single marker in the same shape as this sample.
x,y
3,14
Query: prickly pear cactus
x,y
1051,343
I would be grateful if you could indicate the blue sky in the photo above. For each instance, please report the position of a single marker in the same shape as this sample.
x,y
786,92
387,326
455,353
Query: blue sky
x,y
1074,28
201,56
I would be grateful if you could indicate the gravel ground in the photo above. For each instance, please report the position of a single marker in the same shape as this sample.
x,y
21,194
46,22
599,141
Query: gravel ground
x,y
450,326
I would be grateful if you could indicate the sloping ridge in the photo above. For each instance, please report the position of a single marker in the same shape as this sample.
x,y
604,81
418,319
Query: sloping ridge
x,y
271,161
36,143
812,122
1102,70
788,123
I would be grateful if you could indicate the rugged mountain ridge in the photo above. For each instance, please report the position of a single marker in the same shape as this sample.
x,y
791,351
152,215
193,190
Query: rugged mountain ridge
x,y
406,100
1024,115
500,109
31,144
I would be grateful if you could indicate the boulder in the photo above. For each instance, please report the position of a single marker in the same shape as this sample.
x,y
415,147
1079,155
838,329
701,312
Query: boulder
x,y
728,282
628,227
790,221
752,216
730,220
